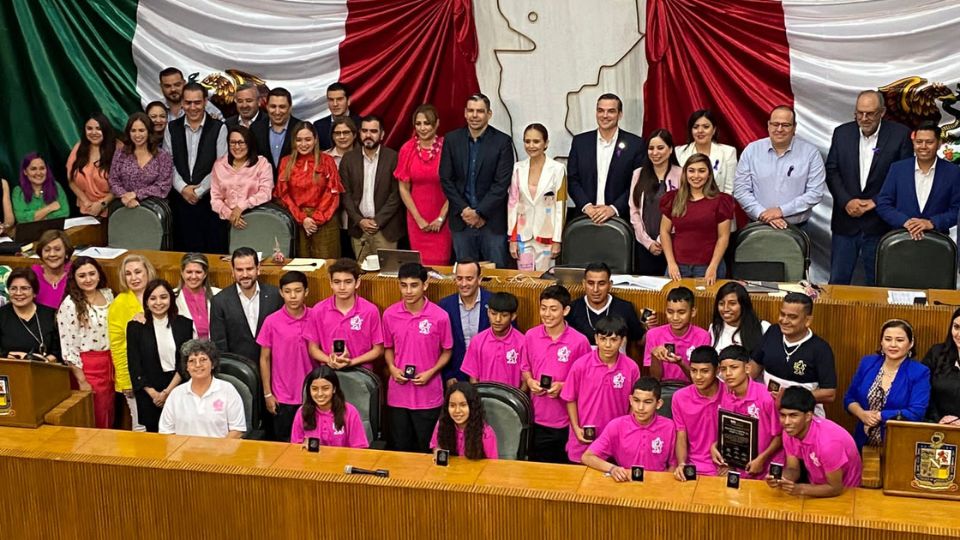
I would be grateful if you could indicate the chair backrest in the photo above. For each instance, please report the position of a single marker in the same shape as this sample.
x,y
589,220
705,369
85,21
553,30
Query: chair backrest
x,y
267,225
759,271
508,412
361,388
246,372
245,395
759,242
930,263
667,390
585,242
147,226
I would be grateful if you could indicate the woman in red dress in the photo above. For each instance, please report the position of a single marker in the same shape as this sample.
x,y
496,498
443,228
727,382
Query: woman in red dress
x,y
418,170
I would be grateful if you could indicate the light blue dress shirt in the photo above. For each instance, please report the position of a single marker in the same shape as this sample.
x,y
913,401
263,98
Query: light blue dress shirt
x,y
794,182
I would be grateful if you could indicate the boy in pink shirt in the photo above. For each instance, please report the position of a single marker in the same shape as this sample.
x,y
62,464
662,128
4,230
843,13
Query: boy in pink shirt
x,y
345,329
549,350
494,354
826,449
598,386
668,347
694,411
284,361
418,341
642,438
743,395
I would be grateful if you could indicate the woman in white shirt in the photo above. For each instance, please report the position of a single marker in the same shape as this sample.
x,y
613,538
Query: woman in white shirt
x,y
537,204
153,351
82,322
702,129
734,321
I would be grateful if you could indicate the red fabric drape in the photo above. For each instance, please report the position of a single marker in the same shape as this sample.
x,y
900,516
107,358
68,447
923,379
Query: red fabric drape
x,y
402,53
730,57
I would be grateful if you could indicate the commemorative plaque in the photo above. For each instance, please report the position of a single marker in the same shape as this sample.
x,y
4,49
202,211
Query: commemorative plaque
x,y
737,439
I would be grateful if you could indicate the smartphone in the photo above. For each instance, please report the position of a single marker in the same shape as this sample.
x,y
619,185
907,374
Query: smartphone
x,y
339,346
647,312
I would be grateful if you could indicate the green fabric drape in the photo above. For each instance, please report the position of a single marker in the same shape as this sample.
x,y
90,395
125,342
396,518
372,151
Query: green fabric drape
x,y
59,61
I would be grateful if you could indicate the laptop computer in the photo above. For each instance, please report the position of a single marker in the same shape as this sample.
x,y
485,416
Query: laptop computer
x,y
392,259
31,231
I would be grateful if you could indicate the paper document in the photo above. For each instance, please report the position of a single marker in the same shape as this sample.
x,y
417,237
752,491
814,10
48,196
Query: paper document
x,y
649,283
904,297
304,265
101,252
73,222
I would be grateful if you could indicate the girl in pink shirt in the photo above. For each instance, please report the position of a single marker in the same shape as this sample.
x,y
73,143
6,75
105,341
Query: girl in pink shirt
x,y
325,413
462,427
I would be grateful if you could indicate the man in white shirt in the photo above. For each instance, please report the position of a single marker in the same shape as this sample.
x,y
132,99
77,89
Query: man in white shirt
x,y
237,313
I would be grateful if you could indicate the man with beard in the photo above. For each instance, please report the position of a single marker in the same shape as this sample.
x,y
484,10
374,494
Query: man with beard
x,y
171,86
598,303
247,100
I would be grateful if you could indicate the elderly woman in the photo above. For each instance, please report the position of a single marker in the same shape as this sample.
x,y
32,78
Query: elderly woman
x,y
55,251
88,166
38,196
242,179
27,330
203,406
195,292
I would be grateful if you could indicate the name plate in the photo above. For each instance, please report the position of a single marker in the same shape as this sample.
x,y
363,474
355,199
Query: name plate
x,y
737,439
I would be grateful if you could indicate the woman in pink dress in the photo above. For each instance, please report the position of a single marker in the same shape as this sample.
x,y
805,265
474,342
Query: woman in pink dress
x,y
418,170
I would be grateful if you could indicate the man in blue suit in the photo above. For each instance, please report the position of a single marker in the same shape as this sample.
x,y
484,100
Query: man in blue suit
x,y
468,315
601,164
921,194
860,155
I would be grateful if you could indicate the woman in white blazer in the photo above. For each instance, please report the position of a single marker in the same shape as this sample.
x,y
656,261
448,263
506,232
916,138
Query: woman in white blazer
x,y
537,204
702,131
195,292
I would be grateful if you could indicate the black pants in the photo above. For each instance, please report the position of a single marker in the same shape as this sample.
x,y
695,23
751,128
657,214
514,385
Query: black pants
x,y
196,228
411,429
148,414
646,263
283,421
549,444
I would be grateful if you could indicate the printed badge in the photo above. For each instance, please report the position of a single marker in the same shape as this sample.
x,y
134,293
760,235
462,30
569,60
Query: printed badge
x,y
512,356
425,327
356,323
656,446
563,354
618,380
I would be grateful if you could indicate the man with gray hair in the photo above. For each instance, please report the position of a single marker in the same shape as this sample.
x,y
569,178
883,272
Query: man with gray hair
x,y
247,100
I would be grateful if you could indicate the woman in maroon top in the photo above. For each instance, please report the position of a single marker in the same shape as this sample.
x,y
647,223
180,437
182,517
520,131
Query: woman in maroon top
x,y
695,227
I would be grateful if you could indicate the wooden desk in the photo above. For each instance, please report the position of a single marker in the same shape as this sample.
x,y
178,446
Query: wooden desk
x,y
131,484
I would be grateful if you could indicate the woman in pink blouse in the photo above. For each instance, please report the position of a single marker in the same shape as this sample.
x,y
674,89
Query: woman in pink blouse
x,y
462,428
660,175
325,414
242,179
142,169
88,166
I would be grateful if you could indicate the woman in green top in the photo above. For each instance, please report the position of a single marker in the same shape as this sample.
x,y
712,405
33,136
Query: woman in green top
x,y
38,196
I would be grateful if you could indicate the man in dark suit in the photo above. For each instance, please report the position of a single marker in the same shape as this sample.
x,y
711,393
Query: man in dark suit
x,y
237,313
921,194
601,164
338,103
468,315
475,168
247,100
275,132
860,155
372,200
196,140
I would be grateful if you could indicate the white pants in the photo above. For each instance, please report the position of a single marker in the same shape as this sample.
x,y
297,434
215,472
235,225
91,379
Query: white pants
x,y
132,403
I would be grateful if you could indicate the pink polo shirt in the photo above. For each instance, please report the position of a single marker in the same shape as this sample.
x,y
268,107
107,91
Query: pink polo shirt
x,y
360,328
544,356
417,339
756,403
684,345
601,393
827,447
631,444
351,436
493,359
697,416
289,360
489,441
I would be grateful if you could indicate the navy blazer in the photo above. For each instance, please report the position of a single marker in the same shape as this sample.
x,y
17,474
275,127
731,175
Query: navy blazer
x,y
843,174
494,171
908,396
629,154
897,201
261,132
451,305
229,330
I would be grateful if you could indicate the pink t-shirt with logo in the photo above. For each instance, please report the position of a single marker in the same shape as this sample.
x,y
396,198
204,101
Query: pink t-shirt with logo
x,y
417,339
826,447
683,345
493,359
601,393
489,441
352,435
756,403
360,328
696,415
544,356
289,360
631,444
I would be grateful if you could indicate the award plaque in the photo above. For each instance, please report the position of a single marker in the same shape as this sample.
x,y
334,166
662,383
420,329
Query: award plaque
x,y
737,439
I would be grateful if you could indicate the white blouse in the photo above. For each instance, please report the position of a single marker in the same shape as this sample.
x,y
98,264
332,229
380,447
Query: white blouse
x,y
74,338
166,345
726,336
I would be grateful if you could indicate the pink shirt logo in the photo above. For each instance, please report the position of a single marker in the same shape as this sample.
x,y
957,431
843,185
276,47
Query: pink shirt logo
x,y
753,411
512,356
656,446
814,459
356,323
425,327
563,354
618,380
218,405
340,431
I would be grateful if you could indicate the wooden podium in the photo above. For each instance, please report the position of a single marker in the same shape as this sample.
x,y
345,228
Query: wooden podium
x,y
920,460
28,390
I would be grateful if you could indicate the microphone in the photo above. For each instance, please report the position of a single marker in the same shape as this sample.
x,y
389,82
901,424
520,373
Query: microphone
x,y
939,303
382,473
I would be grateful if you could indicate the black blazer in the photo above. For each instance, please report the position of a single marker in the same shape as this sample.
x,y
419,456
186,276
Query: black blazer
x,y
228,325
629,154
843,173
261,132
143,358
494,170
324,127
234,120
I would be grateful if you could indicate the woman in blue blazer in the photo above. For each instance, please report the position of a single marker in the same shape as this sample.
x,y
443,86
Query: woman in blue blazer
x,y
888,385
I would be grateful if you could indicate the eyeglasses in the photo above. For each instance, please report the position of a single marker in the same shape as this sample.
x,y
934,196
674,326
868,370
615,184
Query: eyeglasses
x,y
238,143
866,114
342,133
198,361
779,125
20,289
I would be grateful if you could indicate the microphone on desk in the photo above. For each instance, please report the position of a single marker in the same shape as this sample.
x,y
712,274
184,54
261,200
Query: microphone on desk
x,y
939,303
382,473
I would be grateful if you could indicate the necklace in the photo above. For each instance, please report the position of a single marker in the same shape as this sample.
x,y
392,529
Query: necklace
x,y
39,339
790,350
601,315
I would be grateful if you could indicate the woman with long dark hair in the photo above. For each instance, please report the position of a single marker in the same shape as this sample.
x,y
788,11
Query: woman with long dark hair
x,y
142,169
734,320
649,184
325,413
88,167
943,361
462,429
